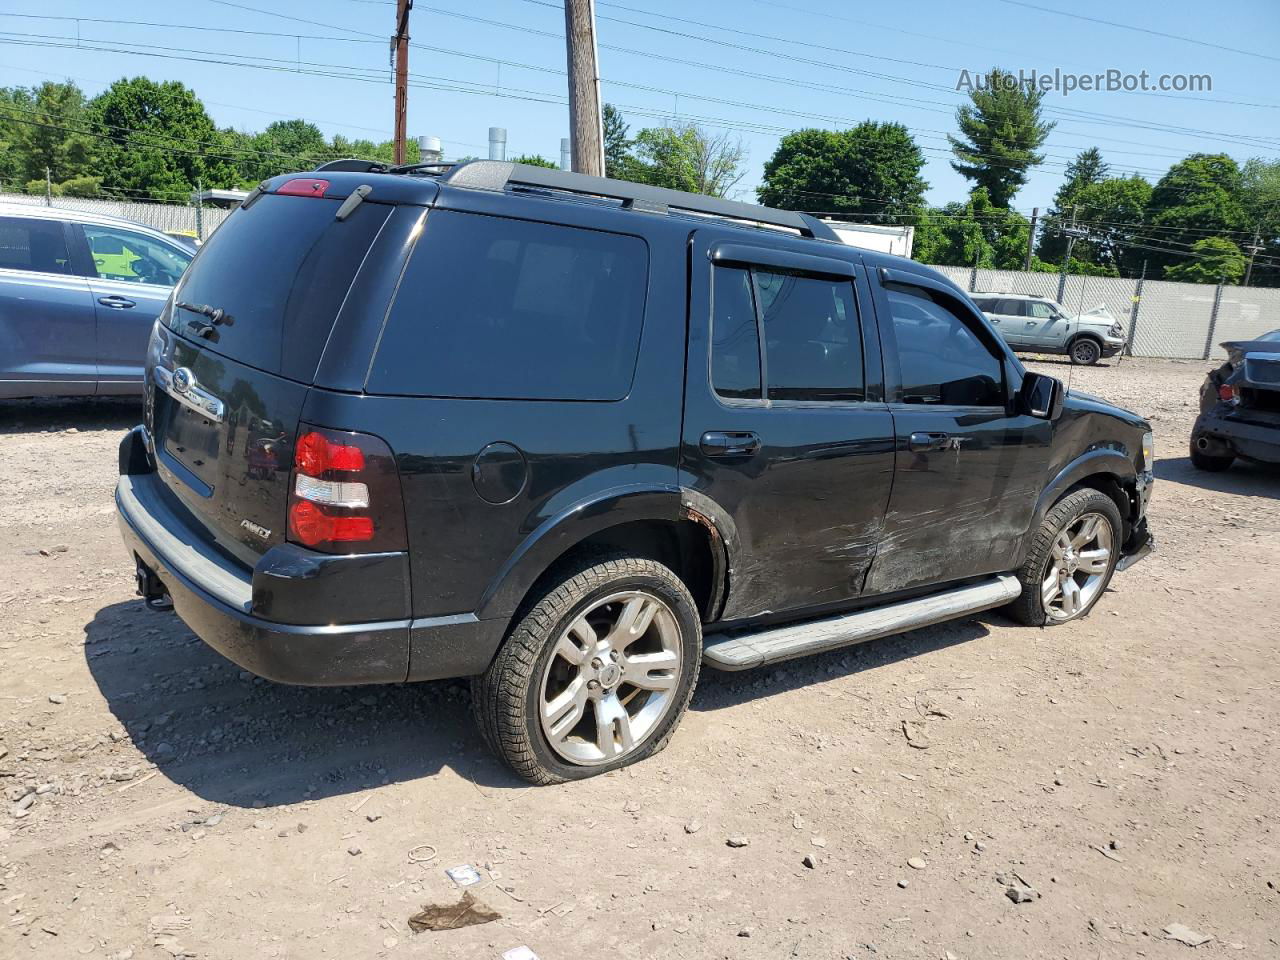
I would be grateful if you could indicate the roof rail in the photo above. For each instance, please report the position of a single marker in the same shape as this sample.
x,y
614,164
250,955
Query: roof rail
x,y
497,175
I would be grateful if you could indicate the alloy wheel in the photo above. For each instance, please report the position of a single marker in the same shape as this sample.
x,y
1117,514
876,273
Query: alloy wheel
x,y
1084,352
611,678
1078,567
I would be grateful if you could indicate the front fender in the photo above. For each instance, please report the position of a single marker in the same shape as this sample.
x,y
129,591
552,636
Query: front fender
x,y
1109,460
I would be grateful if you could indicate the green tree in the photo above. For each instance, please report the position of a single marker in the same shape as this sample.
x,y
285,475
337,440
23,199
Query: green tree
x,y
45,127
686,157
1216,259
1000,132
1112,211
975,232
159,142
1085,170
1260,190
869,171
618,161
535,160
1200,195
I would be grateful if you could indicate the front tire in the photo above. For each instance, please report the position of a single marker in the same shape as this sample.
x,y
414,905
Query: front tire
x,y
1071,560
1085,351
596,675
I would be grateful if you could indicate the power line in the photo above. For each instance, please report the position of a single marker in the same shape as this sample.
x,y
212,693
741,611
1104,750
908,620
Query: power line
x,y
293,65
1146,30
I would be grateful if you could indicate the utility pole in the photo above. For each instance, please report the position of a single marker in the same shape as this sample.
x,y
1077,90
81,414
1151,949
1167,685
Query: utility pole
x,y
400,53
1071,233
586,126
48,188
1031,237
1253,249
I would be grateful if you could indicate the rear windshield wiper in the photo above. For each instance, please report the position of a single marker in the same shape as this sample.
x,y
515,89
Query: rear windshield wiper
x,y
216,314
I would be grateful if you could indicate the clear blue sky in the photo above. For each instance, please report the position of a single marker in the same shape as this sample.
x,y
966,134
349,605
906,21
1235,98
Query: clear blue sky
x,y
884,61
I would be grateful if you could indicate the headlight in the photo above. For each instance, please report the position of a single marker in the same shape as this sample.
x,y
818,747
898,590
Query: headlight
x,y
1117,330
1148,450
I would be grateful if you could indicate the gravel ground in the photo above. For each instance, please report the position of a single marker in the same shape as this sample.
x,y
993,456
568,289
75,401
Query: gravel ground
x,y
1119,774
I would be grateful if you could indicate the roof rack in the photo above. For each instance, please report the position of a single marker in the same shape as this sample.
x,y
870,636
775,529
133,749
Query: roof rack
x,y
497,175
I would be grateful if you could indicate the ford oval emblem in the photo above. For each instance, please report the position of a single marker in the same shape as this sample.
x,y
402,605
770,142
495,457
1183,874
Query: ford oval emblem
x,y
182,380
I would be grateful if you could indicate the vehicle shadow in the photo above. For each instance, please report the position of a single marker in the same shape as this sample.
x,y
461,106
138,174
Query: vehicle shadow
x,y
1243,478
718,689
63,413
1052,360
234,739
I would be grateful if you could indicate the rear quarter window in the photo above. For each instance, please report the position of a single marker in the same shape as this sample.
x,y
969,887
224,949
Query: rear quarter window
x,y
496,308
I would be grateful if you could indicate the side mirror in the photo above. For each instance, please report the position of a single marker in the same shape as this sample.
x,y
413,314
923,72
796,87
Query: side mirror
x,y
1041,396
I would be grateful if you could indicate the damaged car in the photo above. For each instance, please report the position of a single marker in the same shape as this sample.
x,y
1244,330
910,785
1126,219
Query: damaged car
x,y
1240,407
577,438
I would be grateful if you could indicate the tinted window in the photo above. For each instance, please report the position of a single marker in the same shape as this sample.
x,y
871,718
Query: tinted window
x,y
941,358
1041,311
985,304
281,270
735,343
133,257
1012,308
508,309
33,245
812,348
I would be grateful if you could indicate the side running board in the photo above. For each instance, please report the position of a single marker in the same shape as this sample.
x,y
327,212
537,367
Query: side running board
x,y
742,651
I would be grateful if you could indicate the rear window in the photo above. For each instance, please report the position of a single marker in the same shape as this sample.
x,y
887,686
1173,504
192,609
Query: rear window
x,y
509,309
281,269
31,244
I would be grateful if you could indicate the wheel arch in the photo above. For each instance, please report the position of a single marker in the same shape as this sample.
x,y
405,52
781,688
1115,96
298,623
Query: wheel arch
x,y
668,524
1106,470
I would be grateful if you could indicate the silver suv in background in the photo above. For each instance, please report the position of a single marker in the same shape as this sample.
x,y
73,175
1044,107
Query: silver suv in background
x,y
78,295
1033,324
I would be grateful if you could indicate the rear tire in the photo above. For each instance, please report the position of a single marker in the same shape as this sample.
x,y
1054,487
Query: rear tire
x,y
1085,351
559,703
1203,461
1071,560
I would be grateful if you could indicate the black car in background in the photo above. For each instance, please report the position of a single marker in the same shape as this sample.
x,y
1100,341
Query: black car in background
x,y
1240,406
575,438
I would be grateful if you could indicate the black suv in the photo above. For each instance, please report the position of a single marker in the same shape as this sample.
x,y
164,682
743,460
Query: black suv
x,y
574,438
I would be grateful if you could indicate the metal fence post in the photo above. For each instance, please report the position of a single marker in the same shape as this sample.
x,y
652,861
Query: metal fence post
x,y
1213,319
199,210
1133,311
973,275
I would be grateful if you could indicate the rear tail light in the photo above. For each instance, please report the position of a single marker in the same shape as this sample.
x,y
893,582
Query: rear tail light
x,y
1227,391
345,493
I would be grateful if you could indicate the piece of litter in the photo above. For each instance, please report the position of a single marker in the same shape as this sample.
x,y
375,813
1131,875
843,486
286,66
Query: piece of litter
x,y
1109,854
915,733
464,875
519,953
1184,934
138,782
467,912
422,853
355,807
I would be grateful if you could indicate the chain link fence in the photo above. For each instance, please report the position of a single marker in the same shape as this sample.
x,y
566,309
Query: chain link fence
x,y
1161,319
169,217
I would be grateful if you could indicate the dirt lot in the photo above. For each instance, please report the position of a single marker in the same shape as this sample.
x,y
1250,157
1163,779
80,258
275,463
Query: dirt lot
x,y
1124,767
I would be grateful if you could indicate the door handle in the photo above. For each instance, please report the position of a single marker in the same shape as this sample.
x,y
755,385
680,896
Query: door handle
x,y
729,443
117,303
928,441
